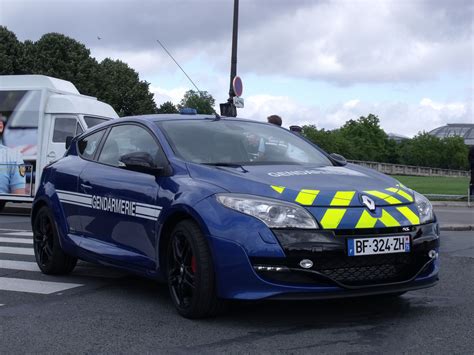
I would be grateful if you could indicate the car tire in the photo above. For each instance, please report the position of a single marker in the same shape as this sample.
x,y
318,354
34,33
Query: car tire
x,y
2,205
190,271
50,258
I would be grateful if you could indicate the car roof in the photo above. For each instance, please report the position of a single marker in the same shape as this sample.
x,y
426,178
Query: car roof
x,y
160,117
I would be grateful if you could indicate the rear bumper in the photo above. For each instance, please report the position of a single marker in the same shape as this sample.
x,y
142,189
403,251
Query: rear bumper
x,y
239,278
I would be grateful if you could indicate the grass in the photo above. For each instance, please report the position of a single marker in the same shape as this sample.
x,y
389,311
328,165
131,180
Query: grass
x,y
435,184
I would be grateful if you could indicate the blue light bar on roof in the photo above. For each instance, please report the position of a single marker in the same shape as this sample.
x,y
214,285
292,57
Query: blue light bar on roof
x,y
188,111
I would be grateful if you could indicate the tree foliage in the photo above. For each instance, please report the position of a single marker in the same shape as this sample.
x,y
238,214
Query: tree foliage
x,y
10,52
167,107
121,87
363,139
202,101
62,57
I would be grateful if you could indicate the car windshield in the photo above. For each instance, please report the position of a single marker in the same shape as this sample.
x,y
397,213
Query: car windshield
x,y
227,142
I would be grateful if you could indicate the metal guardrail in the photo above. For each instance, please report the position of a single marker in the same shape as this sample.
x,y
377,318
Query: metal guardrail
x,y
398,169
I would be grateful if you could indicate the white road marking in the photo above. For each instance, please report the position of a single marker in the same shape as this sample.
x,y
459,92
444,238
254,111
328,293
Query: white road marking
x,y
13,230
19,251
19,265
20,234
16,240
34,286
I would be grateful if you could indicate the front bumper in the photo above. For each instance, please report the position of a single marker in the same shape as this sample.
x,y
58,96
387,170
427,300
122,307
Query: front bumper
x,y
333,274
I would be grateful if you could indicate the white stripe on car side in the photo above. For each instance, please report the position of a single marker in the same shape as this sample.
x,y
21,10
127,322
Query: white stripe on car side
x,y
143,210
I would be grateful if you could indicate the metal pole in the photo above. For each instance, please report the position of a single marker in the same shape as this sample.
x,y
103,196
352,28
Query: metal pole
x,y
233,63
228,108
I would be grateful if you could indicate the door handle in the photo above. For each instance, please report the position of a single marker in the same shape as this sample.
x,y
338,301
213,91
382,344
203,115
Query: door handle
x,y
51,155
86,186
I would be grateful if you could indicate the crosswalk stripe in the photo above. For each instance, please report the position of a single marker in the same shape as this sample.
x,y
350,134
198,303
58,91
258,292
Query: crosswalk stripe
x,y
16,240
20,234
19,265
34,286
19,251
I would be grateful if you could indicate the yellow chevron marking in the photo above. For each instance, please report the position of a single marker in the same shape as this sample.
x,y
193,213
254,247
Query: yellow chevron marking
x,y
332,217
367,221
278,189
342,198
401,193
307,197
390,199
409,214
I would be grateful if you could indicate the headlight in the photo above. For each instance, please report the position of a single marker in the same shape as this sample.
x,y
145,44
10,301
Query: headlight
x,y
425,209
274,213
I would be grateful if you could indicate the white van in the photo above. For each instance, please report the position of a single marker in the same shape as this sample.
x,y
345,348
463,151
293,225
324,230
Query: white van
x,y
37,114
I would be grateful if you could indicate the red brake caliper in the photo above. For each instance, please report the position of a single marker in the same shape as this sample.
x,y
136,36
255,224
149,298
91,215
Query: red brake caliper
x,y
193,264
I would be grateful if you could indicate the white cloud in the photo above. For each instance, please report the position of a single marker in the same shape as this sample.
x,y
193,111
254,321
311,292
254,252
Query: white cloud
x,y
395,117
339,41
162,95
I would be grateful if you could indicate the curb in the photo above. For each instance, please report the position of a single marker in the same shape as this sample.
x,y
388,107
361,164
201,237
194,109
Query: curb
x,y
449,204
456,227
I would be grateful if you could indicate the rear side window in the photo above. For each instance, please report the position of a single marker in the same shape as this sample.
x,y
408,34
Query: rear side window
x,y
88,145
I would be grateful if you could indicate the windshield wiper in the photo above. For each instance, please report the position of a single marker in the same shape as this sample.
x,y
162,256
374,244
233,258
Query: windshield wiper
x,y
228,165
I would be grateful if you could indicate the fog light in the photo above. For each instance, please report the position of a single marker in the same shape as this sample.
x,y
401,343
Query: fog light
x,y
433,254
306,263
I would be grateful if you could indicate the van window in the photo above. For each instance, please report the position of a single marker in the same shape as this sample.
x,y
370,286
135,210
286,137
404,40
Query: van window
x,y
20,108
88,145
64,127
93,121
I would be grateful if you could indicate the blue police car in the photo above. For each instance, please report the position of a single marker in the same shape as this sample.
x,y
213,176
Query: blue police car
x,y
224,208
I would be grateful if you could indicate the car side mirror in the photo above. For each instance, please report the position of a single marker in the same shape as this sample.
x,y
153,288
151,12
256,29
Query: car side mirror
x,y
68,141
141,162
339,159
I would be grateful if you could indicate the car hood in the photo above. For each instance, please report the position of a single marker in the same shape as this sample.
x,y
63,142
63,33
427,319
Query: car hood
x,y
319,186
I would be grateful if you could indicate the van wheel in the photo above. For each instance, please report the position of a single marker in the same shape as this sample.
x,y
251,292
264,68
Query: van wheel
x,y
191,279
48,253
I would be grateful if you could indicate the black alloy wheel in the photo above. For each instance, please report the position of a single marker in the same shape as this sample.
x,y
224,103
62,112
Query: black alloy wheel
x,y
181,271
48,253
190,270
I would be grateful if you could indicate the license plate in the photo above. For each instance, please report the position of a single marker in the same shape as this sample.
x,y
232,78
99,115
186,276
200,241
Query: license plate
x,y
378,245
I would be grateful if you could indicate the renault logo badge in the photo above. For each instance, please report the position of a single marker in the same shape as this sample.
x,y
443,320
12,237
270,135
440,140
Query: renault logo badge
x,y
368,202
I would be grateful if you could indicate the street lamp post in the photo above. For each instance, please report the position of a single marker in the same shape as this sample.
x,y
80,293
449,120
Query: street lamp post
x,y
228,108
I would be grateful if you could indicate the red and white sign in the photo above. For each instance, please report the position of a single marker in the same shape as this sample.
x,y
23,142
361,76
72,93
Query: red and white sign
x,y
238,86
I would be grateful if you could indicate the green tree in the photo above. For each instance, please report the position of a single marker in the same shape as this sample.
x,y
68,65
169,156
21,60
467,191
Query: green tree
x,y
167,107
454,154
202,101
120,86
10,52
367,140
59,56
422,150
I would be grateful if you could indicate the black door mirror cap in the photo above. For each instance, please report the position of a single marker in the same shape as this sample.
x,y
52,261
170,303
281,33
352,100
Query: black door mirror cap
x,y
141,162
338,159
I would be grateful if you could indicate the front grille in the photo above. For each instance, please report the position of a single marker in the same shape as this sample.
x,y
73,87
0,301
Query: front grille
x,y
349,270
355,270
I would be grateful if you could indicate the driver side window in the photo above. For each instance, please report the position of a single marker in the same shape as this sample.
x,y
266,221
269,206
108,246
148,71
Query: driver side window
x,y
126,139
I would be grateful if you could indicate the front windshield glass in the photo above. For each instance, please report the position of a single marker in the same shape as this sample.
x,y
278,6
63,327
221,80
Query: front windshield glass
x,y
238,142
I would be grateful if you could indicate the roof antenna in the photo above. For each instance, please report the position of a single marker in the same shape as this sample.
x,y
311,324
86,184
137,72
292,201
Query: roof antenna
x,y
217,117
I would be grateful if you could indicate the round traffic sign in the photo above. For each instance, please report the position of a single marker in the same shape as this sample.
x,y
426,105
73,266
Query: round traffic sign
x,y
238,86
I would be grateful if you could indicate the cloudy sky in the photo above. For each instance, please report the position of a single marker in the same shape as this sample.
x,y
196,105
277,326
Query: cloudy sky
x,y
317,62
